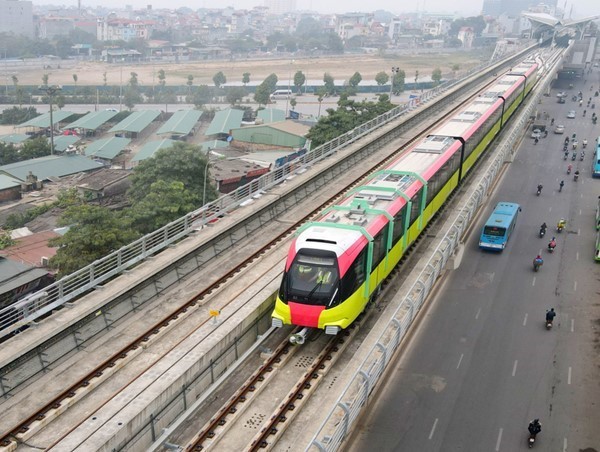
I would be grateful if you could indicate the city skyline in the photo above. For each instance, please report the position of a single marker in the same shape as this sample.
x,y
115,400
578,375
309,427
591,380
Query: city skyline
x,y
580,8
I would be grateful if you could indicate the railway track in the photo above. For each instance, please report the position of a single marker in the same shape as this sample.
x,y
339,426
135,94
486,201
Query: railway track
x,y
26,428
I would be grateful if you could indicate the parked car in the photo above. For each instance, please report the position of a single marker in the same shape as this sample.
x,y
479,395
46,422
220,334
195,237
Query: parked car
x,y
559,129
537,133
571,114
561,94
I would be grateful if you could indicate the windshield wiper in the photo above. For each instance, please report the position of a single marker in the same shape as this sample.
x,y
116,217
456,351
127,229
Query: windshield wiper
x,y
314,289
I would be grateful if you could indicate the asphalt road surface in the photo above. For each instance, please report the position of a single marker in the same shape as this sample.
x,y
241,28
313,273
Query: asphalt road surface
x,y
481,364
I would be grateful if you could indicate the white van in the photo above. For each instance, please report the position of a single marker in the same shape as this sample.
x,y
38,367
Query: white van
x,y
281,94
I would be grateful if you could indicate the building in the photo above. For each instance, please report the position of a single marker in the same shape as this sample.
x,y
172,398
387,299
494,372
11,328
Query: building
x,y
280,6
16,16
283,134
115,29
466,36
350,25
512,7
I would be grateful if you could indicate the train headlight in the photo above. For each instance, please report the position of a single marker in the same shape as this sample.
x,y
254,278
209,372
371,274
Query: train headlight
x,y
276,323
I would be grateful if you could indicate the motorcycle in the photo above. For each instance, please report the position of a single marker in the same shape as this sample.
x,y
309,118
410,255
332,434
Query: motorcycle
x,y
574,156
539,191
548,324
551,248
537,264
569,170
575,177
542,232
566,156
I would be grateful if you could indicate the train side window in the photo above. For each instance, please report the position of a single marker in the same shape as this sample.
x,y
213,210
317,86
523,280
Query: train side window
x,y
355,276
379,242
399,224
416,206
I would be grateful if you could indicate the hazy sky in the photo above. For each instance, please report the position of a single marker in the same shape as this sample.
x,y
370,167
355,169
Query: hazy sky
x,y
581,8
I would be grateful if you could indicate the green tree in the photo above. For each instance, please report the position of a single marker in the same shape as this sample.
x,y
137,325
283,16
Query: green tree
x,y
455,68
329,83
75,78
45,78
398,81
165,201
416,78
5,239
355,79
59,101
235,94
162,79
219,79
131,97
94,232
133,81
246,78
293,103
201,95
15,81
320,95
436,75
299,79
104,78
261,95
381,78
183,163
190,82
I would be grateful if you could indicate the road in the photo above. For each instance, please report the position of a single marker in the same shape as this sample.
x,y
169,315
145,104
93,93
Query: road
x,y
481,363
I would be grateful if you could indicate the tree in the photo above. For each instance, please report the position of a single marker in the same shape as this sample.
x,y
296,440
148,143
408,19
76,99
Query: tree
x,y
293,103
455,68
93,233
131,97
398,81
181,163
45,78
381,78
133,81
355,79
299,79
219,79
15,81
60,101
246,78
320,94
162,79
165,201
235,94
436,75
329,83
34,148
190,82
201,95
75,79
416,79
104,78
261,95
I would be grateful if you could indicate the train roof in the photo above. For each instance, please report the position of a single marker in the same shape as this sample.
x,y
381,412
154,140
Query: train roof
x,y
460,123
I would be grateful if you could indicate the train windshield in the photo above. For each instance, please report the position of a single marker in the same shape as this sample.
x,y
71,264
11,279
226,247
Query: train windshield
x,y
313,278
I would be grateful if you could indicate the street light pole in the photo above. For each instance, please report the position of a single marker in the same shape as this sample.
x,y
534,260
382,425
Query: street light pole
x,y
121,87
204,186
51,91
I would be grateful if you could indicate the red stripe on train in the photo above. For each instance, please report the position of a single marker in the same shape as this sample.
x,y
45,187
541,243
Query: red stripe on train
x,y
305,315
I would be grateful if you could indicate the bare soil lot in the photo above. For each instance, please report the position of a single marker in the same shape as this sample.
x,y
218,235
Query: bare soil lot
x,y
340,67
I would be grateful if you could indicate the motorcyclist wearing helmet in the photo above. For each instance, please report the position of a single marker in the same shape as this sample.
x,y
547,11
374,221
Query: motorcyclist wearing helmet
x,y
550,315
562,224
535,427
552,243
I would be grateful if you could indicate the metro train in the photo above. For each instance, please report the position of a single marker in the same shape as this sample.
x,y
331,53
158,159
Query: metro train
x,y
336,264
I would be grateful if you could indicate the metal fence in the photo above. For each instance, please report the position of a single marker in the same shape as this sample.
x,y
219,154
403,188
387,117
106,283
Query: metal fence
x,y
338,424
32,307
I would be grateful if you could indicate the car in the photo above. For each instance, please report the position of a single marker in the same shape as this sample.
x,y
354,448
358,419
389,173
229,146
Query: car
x,y
112,109
559,128
561,100
595,64
561,94
537,133
571,114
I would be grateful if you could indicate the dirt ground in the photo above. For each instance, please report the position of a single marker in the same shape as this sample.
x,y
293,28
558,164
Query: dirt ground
x,y
340,67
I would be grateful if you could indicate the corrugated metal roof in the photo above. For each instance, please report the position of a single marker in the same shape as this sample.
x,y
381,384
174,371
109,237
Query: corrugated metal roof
x,y
8,182
293,127
50,166
269,115
16,274
14,138
44,120
224,121
62,142
149,149
136,121
30,249
181,123
108,148
213,144
92,120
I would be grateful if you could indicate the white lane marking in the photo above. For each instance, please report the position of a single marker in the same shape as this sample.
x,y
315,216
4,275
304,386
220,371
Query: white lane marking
x,y
565,445
460,360
572,325
499,439
550,209
577,256
575,286
533,282
478,312
433,428
579,211
515,368
578,231
569,377
525,320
